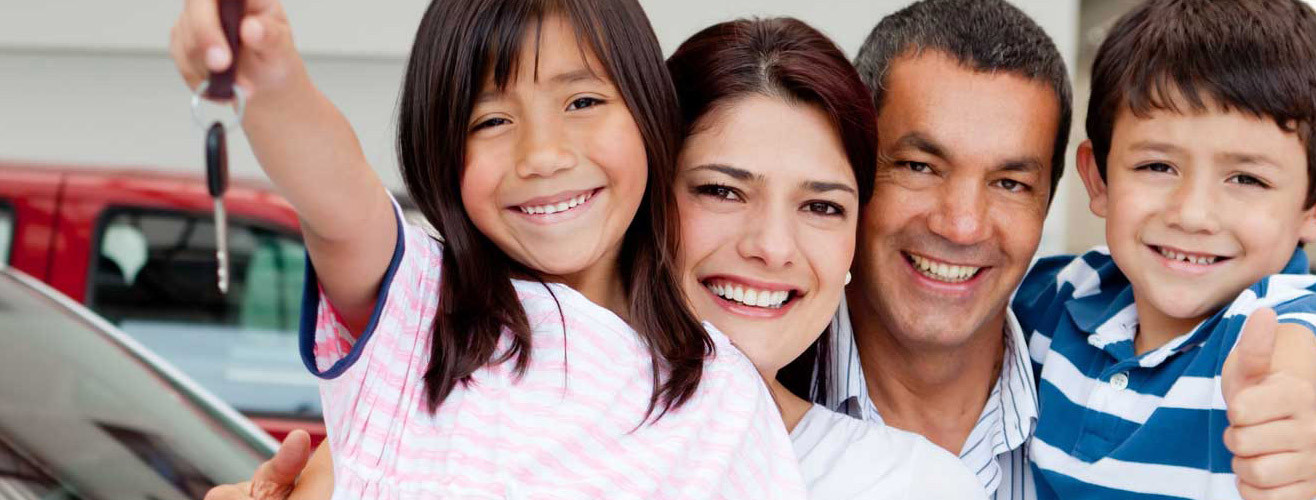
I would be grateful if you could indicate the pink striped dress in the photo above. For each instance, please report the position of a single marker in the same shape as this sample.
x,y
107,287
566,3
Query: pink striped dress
x,y
565,430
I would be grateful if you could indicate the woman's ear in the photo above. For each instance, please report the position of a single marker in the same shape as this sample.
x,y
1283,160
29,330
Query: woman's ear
x,y
1092,179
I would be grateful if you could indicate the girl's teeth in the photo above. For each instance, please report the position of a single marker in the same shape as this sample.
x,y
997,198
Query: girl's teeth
x,y
559,207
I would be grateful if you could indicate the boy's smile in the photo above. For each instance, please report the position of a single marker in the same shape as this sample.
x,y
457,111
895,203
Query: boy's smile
x,y
1198,207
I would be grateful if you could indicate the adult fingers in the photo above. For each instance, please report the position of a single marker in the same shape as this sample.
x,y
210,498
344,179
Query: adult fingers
x,y
277,476
230,492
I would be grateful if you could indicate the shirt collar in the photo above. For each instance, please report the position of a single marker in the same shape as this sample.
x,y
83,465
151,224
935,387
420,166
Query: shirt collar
x,y
1007,420
1110,318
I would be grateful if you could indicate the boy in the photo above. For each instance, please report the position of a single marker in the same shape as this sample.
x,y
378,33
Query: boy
x,y
1200,159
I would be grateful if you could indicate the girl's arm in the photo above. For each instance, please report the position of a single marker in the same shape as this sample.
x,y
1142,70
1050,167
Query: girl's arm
x,y
304,145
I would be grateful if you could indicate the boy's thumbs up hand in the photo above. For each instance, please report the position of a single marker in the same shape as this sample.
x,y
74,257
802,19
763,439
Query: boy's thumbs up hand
x,y
1249,363
1271,409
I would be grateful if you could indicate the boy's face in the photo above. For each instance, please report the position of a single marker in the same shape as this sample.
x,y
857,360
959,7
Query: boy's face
x,y
1198,207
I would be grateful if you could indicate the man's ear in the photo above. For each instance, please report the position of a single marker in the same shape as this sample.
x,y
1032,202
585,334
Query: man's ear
x,y
1096,186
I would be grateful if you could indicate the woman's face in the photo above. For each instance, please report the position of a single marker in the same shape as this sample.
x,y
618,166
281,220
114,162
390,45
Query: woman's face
x,y
768,207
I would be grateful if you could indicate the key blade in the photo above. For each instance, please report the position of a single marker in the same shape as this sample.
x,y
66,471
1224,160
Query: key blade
x,y
221,245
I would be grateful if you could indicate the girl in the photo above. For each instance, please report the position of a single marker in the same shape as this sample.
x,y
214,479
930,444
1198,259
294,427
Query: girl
x,y
544,348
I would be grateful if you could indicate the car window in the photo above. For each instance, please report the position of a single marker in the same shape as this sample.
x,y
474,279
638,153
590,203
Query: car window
x,y
6,231
154,276
83,417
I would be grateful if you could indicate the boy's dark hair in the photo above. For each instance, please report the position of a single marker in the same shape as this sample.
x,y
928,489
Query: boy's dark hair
x,y
1253,56
458,45
786,59
984,35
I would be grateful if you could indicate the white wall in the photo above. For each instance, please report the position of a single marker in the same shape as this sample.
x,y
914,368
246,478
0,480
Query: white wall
x,y
90,81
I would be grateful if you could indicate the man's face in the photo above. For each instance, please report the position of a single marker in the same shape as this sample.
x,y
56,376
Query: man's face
x,y
962,187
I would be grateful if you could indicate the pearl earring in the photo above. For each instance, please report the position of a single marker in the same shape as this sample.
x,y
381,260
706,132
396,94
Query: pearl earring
x,y
847,277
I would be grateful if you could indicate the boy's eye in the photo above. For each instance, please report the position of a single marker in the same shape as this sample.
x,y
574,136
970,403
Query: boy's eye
x,y
1248,180
1013,186
826,208
492,122
1157,167
584,102
718,191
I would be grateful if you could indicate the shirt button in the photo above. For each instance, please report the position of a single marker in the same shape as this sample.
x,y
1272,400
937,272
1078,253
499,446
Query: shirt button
x,y
1119,381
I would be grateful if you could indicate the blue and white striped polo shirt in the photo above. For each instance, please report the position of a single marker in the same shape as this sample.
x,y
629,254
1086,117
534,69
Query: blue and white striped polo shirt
x,y
1114,424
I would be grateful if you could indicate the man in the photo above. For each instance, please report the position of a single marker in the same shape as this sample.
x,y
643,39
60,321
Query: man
x,y
973,118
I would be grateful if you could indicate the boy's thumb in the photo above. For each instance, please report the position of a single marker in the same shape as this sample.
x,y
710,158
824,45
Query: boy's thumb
x,y
1250,360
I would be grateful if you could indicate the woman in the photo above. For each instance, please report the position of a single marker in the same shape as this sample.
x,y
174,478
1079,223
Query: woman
x,y
778,161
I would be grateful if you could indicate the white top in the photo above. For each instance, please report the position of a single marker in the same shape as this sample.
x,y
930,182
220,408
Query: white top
x,y
995,447
843,458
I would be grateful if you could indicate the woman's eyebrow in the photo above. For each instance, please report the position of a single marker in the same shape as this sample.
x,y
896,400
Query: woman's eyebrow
x,y
739,174
822,187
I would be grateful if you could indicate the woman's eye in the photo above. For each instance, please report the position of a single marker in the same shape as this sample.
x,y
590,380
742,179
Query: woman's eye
x,y
492,122
584,102
1157,167
718,191
1013,186
1248,180
825,208
915,166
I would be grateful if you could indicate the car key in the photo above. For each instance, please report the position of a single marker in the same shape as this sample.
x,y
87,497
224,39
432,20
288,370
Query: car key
x,y
220,87
217,183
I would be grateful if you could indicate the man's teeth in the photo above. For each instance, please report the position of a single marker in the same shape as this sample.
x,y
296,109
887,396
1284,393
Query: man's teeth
x,y
557,207
1191,259
749,296
941,271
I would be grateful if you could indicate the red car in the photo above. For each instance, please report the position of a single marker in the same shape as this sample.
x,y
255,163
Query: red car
x,y
138,248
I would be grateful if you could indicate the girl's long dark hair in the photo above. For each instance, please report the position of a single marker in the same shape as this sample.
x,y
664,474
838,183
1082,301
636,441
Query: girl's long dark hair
x,y
459,44
783,58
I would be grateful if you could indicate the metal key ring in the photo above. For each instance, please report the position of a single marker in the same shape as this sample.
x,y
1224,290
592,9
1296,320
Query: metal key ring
x,y
197,96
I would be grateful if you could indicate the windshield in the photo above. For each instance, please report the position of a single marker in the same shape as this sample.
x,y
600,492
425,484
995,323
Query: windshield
x,y
81,417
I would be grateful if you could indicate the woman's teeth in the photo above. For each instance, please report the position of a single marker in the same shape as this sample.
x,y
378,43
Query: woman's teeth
x,y
749,296
557,207
941,271
1191,259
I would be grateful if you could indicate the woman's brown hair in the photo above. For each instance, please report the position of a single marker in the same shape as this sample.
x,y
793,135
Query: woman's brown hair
x,y
787,59
459,44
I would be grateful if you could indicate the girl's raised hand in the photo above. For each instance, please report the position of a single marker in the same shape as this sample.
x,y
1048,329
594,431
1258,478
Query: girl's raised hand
x,y
268,63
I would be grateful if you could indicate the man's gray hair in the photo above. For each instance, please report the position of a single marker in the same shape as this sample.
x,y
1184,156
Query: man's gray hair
x,y
984,35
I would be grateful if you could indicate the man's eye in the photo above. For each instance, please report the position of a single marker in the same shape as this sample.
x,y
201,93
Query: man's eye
x,y
492,122
915,166
1013,186
718,191
584,102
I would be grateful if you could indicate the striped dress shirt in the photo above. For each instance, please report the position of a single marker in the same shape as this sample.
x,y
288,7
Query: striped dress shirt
x,y
995,450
